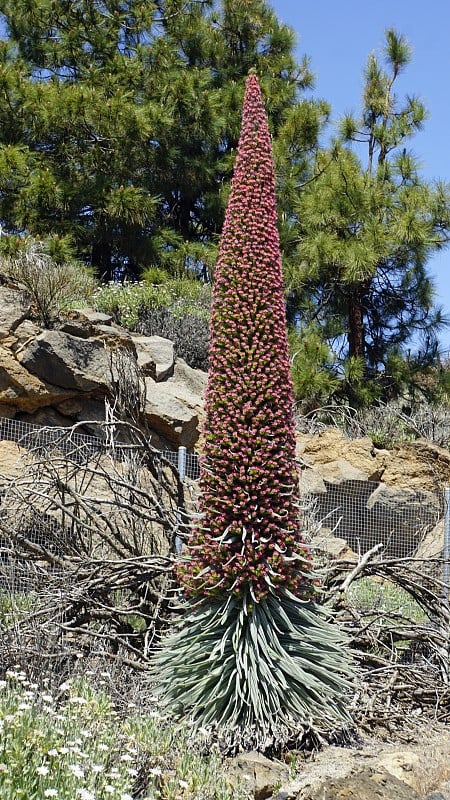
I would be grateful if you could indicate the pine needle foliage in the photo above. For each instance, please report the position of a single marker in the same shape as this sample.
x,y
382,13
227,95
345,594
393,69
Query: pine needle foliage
x,y
253,651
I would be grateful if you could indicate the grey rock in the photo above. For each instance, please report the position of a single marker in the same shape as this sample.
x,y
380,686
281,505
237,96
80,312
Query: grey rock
x,y
94,317
155,356
193,379
257,773
76,328
68,361
341,470
168,416
311,482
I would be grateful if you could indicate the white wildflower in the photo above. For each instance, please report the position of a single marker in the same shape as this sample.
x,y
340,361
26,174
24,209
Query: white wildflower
x,y
42,770
76,770
114,773
85,794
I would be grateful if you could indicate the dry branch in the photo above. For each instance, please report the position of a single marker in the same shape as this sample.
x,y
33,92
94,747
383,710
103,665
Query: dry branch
x,y
402,649
88,537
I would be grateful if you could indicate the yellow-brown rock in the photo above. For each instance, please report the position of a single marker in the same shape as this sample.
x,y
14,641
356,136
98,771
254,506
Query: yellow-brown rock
x,y
418,465
331,445
23,391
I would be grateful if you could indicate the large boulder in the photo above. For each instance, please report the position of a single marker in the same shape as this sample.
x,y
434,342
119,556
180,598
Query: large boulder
x,y
170,417
173,407
375,771
402,517
68,361
155,356
20,390
187,385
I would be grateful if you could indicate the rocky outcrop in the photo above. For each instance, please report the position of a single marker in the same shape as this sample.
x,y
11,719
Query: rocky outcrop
x,y
70,362
365,496
371,771
374,772
22,390
330,446
63,375
419,465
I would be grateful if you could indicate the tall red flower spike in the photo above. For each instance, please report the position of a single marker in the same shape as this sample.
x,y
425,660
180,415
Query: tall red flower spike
x,y
247,541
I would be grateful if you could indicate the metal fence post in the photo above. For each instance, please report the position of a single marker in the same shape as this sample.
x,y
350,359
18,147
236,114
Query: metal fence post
x,y
182,462
446,569
181,465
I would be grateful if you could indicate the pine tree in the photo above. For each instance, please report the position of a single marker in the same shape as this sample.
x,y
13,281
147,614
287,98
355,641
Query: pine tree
x,y
254,652
366,229
119,122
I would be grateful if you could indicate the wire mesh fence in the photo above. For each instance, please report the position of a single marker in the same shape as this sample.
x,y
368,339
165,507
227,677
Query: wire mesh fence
x,y
406,522
69,440
353,515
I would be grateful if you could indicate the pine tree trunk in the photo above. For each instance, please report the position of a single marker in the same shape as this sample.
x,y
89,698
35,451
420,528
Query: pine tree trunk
x,y
356,343
102,259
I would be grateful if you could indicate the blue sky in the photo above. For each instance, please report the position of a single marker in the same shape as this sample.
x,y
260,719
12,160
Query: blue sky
x,y
338,38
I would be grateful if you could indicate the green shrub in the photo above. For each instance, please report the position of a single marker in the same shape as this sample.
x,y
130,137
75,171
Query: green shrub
x,y
53,285
177,309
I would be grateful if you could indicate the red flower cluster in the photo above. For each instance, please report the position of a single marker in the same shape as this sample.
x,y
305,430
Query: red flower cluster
x,y
248,537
